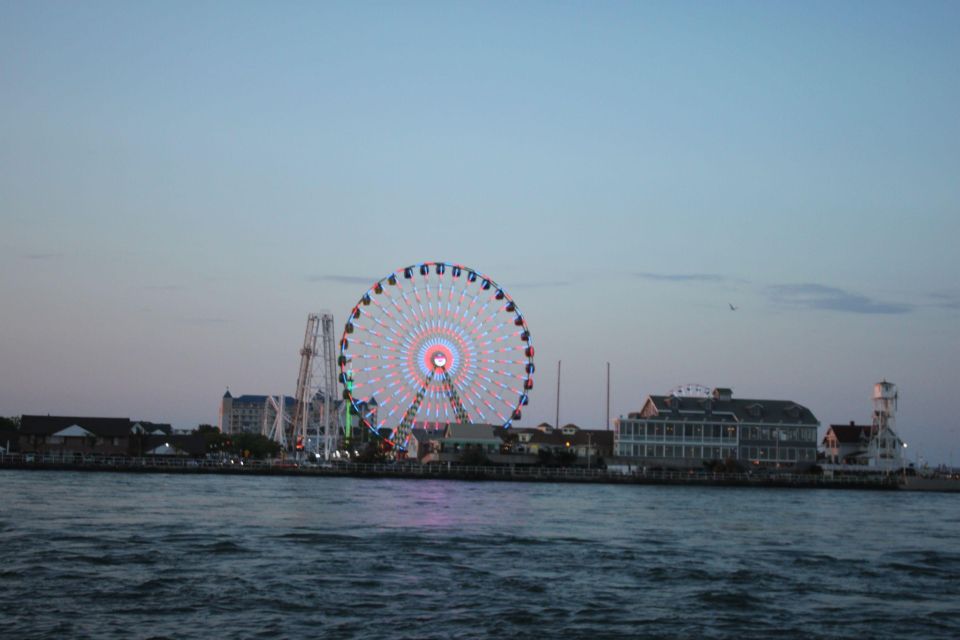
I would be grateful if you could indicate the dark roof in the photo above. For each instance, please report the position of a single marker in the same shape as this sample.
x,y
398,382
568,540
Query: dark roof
x,y
47,425
471,431
735,409
150,427
252,399
555,438
192,444
850,433
423,435
596,438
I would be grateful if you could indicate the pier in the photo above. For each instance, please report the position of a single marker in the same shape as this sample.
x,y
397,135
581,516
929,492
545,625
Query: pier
x,y
415,471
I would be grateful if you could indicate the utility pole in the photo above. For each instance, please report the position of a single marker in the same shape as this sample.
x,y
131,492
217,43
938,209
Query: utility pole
x,y
556,424
589,448
608,396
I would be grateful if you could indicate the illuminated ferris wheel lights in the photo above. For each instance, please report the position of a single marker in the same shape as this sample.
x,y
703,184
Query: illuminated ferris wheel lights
x,y
441,335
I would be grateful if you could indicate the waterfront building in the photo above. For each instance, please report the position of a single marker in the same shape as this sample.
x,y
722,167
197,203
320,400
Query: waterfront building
x,y
9,438
687,432
592,445
192,445
423,443
868,448
846,443
79,435
459,438
522,437
250,413
259,414
587,444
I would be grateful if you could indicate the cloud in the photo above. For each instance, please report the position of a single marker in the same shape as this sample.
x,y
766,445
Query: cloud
x,y
42,256
341,279
682,277
945,300
824,298
540,285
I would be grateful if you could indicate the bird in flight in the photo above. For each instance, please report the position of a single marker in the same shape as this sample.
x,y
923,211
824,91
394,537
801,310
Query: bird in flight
x,y
732,308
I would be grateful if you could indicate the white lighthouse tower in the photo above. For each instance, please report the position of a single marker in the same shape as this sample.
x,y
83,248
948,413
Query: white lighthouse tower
x,y
885,448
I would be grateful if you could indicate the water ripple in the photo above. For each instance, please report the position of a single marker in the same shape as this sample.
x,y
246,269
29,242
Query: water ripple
x,y
118,556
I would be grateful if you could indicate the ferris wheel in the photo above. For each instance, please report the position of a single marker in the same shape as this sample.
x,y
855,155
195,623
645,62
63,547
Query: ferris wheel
x,y
432,344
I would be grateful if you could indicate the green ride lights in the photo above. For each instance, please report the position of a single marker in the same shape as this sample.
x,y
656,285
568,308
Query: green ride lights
x,y
349,421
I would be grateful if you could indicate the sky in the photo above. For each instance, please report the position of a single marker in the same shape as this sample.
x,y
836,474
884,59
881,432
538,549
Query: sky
x,y
181,183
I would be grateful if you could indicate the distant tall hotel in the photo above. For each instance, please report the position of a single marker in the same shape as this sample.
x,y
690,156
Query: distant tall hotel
x,y
684,431
248,413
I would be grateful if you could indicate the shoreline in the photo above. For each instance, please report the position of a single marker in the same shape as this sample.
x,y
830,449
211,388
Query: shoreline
x,y
460,473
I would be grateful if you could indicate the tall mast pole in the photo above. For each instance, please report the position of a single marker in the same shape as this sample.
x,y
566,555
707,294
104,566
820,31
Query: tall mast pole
x,y
557,418
608,396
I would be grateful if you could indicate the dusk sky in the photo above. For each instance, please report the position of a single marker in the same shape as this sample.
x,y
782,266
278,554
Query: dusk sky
x,y
182,183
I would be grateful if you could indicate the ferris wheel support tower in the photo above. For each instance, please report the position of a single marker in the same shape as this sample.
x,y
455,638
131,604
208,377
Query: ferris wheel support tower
x,y
331,430
304,397
319,329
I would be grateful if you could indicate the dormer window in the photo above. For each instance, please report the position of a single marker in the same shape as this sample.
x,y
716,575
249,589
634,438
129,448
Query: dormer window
x,y
755,410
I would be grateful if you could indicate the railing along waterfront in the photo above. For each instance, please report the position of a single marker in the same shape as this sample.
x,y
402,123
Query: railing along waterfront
x,y
175,464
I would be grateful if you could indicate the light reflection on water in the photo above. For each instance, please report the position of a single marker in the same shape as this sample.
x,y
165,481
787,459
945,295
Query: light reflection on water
x,y
131,555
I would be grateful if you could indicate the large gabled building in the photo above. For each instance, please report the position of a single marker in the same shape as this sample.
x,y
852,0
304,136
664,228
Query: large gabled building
x,y
76,434
686,432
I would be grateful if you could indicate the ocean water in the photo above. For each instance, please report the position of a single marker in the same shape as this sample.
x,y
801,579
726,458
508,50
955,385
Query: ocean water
x,y
112,555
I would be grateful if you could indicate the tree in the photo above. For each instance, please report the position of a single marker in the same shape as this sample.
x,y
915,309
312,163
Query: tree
x,y
257,445
214,440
